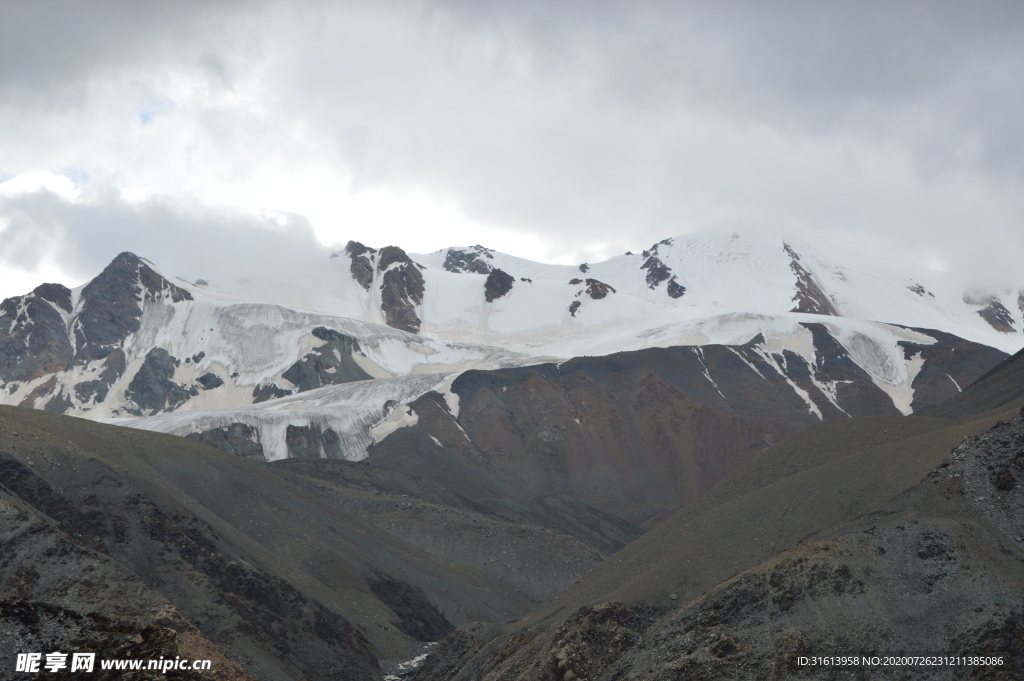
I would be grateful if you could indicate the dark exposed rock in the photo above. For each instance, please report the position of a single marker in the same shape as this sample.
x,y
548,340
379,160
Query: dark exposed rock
x,y
575,281
202,282
574,306
313,442
58,294
113,366
416,616
328,364
1020,300
657,271
920,290
152,389
390,255
993,311
362,263
598,289
584,268
268,391
526,279
401,289
466,261
809,296
59,403
950,365
44,389
238,439
33,334
111,304
675,289
209,381
498,284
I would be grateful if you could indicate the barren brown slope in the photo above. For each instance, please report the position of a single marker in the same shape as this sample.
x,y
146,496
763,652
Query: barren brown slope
x,y
641,433
814,481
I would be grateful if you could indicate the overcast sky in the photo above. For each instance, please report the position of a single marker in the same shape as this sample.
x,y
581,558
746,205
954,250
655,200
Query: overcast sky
x,y
234,135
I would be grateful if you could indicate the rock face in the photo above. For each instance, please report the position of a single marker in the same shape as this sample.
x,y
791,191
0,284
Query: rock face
x,y
238,439
401,289
361,267
658,271
36,342
473,260
809,297
96,390
209,381
498,284
313,442
993,311
949,367
152,389
328,364
268,391
598,289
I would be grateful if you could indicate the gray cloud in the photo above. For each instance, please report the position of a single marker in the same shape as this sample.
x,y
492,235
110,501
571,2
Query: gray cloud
x,y
888,129
82,238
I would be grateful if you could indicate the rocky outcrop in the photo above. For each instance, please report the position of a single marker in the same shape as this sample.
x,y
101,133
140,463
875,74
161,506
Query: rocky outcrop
x,y
152,389
498,284
401,289
33,334
574,307
598,289
327,364
361,266
658,271
96,390
992,311
238,439
808,296
920,290
209,381
313,442
473,260
950,365
268,391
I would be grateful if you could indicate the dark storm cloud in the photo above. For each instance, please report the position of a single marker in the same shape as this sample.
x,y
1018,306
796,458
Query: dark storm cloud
x,y
81,239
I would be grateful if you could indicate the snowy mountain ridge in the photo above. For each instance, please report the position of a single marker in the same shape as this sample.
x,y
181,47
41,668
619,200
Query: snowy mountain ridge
x,y
154,351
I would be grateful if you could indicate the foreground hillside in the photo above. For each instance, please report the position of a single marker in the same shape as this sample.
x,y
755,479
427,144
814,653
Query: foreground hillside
x,y
319,569
861,537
